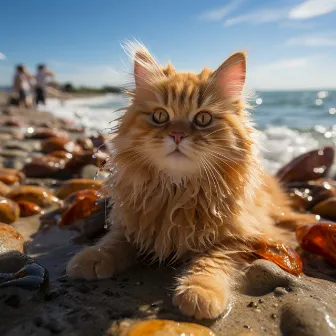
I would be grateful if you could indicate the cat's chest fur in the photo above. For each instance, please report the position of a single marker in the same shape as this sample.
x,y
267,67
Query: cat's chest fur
x,y
168,221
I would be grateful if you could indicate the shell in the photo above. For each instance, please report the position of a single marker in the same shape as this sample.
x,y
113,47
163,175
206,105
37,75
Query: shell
x,y
74,185
163,327
40,196
9,210
10,239
326,208
20,271
282,255
58,143
78,205
28,208
45,166
308,166
318,238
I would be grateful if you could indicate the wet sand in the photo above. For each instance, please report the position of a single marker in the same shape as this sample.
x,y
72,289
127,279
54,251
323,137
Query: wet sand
x,y
268,300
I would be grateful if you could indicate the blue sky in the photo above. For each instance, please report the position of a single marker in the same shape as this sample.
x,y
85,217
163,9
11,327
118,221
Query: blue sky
x,y
291,44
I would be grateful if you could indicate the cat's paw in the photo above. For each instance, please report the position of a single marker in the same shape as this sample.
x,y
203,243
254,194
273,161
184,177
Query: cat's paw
x,y
92,263
201,297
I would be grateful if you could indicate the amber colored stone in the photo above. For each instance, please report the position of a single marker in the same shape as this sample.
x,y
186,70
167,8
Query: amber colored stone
x,y
308,166
282,255
164,327
98,159
12,171
79,205
326,208
9,179
28,208
318,238
305,195
4,189
40,196
74,185
45,166
61,154
45,133
10,239
59,143
9,210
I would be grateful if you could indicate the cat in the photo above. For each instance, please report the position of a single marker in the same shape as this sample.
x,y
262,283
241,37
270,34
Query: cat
x,y
187,184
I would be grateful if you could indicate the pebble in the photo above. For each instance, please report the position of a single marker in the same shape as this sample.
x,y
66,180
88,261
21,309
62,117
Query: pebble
x,y
279,291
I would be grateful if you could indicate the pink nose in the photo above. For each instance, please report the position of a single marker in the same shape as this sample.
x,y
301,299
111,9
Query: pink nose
x,y
178,136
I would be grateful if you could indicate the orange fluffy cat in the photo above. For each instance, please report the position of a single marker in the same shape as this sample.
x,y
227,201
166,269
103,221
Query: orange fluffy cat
x,y
186,184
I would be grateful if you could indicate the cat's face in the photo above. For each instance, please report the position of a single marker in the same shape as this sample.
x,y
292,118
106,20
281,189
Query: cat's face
x,y
184,124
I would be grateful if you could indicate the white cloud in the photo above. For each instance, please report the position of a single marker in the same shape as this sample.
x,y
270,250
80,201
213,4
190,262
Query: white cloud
x,y
284,64
311,8
2,57
308,72
312,41
259,16
307,9
219,13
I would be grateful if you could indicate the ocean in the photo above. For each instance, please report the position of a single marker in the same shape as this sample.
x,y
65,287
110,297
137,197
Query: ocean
x,y
290,123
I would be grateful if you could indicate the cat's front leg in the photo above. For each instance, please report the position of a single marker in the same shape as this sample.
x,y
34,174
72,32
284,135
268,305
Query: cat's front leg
x,y
203,291
112,255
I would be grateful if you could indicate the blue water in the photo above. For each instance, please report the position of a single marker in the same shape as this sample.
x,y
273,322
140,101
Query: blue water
x,y
290,123
301,110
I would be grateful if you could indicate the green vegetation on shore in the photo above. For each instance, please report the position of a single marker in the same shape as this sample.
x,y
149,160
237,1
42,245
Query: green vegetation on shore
x,y
68,87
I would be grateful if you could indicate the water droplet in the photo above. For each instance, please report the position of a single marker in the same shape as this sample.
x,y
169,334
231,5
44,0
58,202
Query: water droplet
x,y
30,130
94,156
332,110
318,217
259,101
318,102
320,152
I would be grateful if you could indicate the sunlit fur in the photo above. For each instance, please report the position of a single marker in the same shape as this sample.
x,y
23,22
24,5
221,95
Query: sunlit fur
x,y
208,203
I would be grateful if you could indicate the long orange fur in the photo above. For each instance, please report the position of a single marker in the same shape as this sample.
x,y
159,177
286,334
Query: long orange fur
x,y
205,206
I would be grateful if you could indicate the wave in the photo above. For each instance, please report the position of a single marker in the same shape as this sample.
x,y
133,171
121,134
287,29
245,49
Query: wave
x,y
278,144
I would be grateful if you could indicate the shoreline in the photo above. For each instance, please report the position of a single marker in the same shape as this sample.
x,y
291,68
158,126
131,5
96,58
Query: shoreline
x,y
282,303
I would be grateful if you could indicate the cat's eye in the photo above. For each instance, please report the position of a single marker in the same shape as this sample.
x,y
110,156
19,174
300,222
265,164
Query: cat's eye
x,y
203,119
160,116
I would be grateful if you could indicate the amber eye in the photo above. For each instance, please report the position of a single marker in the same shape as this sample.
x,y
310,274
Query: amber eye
x,y
160,116
202,119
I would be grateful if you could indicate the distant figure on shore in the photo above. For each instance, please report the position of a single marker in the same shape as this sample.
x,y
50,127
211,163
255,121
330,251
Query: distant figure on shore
x,y
42,76
22,86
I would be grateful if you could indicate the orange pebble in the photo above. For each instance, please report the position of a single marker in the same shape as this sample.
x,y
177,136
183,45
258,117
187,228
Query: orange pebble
x,y
319,238
282,255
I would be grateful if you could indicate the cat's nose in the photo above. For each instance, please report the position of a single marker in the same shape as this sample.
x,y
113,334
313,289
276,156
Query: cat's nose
x,y
178,136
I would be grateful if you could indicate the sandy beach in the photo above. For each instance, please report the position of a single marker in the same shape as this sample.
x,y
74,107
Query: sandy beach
x,y
267,301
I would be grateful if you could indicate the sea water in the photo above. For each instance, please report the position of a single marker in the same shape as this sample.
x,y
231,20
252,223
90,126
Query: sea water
x,y
290,123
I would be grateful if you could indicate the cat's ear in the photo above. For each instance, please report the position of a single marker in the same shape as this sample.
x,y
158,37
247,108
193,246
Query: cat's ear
x,y
145,68
229,78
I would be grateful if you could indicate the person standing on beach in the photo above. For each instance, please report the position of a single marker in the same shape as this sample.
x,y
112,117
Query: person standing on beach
x,y
41,78
22,86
